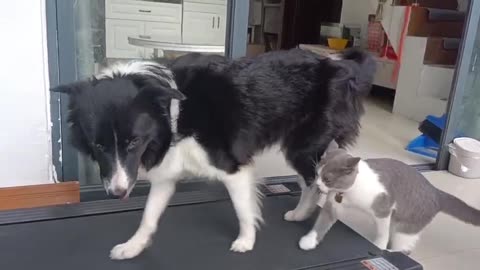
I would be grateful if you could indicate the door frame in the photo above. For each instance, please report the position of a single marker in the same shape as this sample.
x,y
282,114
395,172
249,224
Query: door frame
x,y
464,67
62,69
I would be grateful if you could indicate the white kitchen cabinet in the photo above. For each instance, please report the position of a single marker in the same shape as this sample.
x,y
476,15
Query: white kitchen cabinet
x,y
217,2
117,33
204,24
143,11
133,18
164,32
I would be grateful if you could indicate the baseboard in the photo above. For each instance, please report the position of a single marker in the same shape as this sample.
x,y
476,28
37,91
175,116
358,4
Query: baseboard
x,y
39,195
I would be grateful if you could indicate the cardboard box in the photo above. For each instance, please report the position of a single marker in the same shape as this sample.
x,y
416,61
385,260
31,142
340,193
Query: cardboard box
x,y
255,49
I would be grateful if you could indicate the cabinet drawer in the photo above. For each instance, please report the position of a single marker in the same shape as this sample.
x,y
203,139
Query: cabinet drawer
x,y
198,7
143,11
216,2
117,33
164,32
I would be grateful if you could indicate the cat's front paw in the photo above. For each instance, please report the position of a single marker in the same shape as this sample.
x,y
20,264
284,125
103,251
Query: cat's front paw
x,y
309,241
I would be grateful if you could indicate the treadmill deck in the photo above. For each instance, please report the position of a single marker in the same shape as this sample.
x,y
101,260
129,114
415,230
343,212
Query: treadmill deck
x,y
195,236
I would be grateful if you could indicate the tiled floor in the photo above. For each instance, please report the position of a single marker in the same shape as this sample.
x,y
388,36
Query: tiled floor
x,y
448,243
384,134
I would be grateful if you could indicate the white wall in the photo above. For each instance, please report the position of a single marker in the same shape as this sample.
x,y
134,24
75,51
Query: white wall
x,y
24,98
421,90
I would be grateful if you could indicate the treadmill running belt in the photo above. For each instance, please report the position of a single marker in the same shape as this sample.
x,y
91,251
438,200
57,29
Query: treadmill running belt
x,y
194,236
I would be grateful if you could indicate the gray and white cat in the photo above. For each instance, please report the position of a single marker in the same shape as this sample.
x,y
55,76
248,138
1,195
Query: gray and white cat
x,y
399,198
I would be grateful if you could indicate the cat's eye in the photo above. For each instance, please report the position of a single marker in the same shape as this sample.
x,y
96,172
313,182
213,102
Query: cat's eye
x,y
133,144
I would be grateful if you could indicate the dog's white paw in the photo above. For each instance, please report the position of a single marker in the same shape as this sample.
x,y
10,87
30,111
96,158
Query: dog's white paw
x,y
309,241
290,215
243,244
295,215
126,250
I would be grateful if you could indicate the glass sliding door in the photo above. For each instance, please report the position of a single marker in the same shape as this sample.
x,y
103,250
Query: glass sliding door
x,y
464,105
88,35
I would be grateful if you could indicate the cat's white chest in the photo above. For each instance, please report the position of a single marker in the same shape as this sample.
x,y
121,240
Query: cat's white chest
x,y
363,192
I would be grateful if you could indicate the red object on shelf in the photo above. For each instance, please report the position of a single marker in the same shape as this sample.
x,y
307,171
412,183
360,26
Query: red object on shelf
x,y
376,37
390,53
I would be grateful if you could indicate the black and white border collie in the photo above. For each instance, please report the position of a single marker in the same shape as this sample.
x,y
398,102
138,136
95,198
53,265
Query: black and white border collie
x,y
209,116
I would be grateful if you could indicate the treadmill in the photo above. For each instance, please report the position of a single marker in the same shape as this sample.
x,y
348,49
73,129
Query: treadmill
x,y
195,232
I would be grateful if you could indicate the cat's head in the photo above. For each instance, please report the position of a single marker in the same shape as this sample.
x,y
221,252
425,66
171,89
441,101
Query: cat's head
x,y
339,172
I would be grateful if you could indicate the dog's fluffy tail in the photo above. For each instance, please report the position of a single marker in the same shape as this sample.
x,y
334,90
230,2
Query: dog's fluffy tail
x,y
358,67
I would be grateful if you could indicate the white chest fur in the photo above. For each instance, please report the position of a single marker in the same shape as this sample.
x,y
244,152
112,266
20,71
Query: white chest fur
x,y
365,189
186,158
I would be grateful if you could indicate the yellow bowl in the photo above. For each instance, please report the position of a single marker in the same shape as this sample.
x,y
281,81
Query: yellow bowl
x,y
337,43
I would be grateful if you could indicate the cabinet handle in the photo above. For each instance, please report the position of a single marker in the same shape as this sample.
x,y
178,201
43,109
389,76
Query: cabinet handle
x,y
213,22
144,11
218,22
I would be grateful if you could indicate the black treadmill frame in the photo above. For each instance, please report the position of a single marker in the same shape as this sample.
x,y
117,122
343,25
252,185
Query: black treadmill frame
x,y
189,193
94,204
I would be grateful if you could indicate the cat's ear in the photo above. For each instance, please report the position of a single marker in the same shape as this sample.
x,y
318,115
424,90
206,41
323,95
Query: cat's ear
x,y
332,146
353,162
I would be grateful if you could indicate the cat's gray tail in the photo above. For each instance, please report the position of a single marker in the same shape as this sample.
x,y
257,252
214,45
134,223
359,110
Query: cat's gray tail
x,y
457,208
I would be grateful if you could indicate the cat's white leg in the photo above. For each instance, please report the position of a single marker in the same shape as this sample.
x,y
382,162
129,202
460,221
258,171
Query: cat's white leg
x,y
245,198
403,242
307,203
326,219
383,232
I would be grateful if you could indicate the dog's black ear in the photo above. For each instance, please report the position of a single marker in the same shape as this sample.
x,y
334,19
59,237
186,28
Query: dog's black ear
x,y
70,88
171,93
64,88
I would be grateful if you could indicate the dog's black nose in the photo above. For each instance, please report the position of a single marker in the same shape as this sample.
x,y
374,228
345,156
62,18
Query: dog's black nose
x,y
117,193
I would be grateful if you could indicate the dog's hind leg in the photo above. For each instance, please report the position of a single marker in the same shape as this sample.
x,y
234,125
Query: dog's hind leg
x,y
242,188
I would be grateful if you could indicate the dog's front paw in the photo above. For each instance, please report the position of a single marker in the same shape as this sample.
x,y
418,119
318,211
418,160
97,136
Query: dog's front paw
x,y
309,241
243,244
126,250
295,215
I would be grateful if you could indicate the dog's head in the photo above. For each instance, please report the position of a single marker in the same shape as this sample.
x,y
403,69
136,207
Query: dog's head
x,y
121,119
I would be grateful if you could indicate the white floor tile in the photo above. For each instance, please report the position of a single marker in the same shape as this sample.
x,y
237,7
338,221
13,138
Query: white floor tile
x,y
447,235
385,134
466,260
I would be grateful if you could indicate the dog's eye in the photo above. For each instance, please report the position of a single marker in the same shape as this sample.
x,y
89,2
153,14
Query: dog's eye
x,y
133,144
